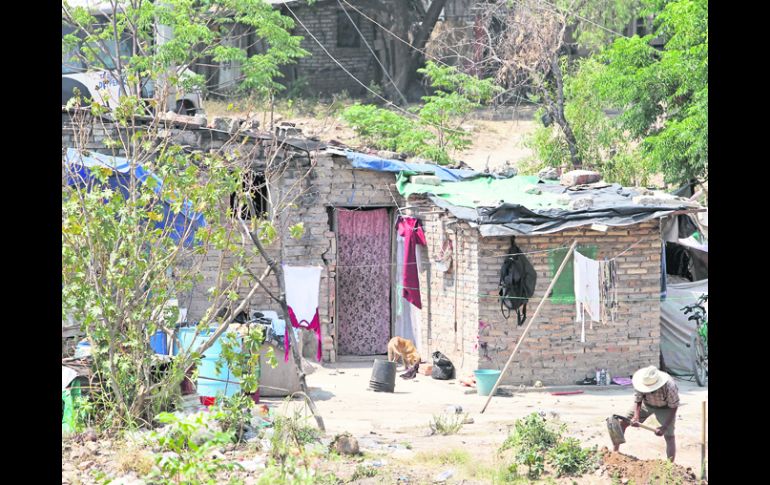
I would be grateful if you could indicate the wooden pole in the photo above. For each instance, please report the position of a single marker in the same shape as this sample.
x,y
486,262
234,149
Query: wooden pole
x,y
534,317
703,443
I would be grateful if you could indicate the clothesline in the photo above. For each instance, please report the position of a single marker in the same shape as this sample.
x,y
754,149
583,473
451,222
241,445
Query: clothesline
x,y
496,297
497,256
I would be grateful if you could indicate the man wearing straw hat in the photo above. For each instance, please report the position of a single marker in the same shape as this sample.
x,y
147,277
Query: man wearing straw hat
x,y
656,393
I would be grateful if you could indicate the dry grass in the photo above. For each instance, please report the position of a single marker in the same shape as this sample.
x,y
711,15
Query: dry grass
x,y
455,457
133,459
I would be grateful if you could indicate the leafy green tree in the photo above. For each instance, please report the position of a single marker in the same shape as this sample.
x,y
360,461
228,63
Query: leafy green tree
x,y
156,42
661,95
122,259
434,131
529,47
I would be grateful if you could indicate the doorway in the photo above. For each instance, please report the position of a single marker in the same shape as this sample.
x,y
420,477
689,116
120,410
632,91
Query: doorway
x,y
363,293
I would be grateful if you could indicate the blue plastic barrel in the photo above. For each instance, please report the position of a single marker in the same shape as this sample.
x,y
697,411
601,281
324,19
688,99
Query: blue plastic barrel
x,y
158,343
225,383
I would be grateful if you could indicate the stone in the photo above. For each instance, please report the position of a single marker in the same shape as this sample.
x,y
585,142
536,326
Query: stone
x,y
89,435
533,189
425,179
251,124
581,203
223,123
454,409
389,155
580,177
253,465
548,173
345,444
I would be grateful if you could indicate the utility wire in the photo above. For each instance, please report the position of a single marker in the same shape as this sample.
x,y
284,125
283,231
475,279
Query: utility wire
x,y
352,76
384,70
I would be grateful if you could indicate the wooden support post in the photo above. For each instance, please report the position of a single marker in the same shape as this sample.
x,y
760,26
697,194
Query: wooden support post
x,y
703,443
534,317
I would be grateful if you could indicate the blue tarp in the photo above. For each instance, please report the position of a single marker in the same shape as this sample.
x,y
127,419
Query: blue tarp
x,y
370,162
180,222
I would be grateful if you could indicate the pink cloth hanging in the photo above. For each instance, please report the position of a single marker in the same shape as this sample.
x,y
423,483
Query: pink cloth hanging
x,y
363,281
410,229
302,288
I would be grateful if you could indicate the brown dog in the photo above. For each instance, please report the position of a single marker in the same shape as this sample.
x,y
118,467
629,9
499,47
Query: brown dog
x,y
403,348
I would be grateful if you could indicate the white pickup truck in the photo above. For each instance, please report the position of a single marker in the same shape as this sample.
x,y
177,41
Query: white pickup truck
x,y
103,85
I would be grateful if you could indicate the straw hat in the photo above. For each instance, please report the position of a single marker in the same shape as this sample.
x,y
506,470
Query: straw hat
x,y
649,379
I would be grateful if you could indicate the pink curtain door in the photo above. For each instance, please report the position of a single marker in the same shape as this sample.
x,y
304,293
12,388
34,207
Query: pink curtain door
x,y
363,281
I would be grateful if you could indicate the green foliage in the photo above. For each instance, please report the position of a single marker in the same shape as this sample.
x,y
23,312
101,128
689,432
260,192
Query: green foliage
x,y
535,442
364,471
182,460
436,131
240,353
447,424
287,463
662,97
197,30
569,458
234,413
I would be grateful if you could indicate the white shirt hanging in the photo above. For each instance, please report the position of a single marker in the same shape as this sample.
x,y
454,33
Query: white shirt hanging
x,y
587,292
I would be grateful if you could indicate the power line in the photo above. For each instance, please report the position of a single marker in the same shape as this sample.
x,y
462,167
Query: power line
x,y
384,70
352,76
423,52
573,14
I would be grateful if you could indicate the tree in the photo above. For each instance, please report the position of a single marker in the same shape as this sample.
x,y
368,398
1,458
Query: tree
x,y
528,47
142,42
132,237
661,95
435,129
409,24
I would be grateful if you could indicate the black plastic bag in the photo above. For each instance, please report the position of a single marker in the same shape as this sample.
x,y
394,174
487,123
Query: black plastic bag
x,y
443,369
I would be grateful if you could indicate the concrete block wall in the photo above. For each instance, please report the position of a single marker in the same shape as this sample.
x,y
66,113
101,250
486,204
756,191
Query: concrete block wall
x,y
307,192
307,189
452,311
321,73
552,352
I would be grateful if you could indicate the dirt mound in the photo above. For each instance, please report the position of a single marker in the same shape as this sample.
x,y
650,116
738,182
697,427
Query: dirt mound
x,y
630,469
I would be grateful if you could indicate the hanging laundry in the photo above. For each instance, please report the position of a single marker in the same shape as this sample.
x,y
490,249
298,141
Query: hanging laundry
x,y
587,294
411,230
302,288
407,321
608,279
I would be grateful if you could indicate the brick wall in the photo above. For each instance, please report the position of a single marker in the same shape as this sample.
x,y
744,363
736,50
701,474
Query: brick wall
x,y
318,70
311,191
331,183
552,352
450,314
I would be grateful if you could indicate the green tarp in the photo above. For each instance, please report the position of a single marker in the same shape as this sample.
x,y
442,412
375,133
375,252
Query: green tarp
x,y
486,192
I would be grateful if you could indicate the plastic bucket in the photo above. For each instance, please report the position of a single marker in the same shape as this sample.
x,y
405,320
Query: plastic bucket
x,y
485,380
383,376
210,382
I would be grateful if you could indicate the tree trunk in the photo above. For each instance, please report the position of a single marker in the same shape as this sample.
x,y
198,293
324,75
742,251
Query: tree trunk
x,y
402,60
558,112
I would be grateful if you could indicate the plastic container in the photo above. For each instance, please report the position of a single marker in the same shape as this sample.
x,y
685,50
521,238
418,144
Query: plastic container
x,y
158,343
383,376
485,380
210,383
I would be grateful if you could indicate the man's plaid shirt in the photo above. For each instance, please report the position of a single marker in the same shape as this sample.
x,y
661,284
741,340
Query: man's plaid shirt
x,y
665,397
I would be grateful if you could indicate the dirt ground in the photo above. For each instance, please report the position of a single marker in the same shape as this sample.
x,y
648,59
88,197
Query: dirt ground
x,y
494,142
382,419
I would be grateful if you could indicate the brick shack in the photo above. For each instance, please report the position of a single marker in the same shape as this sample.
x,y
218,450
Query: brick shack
x,y
350,204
